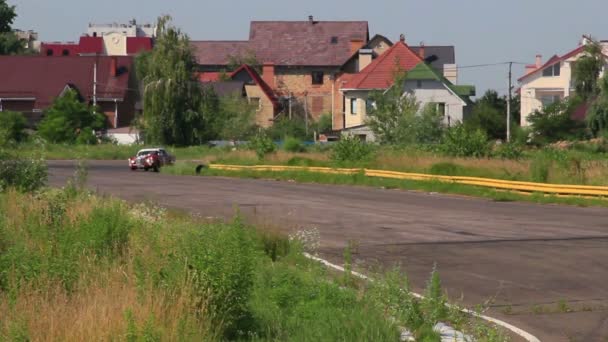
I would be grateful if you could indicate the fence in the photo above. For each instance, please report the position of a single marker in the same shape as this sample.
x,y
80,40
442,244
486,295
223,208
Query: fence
x,y
522,187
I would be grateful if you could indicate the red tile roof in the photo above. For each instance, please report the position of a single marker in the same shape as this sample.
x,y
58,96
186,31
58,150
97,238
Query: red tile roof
x,y
301,43
381,71
259,81
45,78
136,45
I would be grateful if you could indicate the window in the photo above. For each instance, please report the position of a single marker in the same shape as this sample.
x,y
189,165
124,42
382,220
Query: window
x,y
441,108
49,52
353,107
65,52
334,40
552,71
369,106
548,100
317,77
255,102
418,84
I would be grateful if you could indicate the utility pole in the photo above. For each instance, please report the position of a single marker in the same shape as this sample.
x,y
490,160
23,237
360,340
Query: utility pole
x,y
95,83
509,105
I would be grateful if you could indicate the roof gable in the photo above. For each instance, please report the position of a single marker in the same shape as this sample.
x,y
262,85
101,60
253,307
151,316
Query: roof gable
x,y
379,74
424,71
258,81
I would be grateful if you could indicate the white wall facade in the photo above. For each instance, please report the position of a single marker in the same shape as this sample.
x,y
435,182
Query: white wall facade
x,y
435,92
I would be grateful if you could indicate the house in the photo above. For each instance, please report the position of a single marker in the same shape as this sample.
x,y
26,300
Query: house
x,y
424,80
107,40
551,81
301,60
31,83
430,87
245,81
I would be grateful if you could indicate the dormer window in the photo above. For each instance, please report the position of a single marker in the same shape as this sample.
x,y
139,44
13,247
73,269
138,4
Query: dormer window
x,y
552,71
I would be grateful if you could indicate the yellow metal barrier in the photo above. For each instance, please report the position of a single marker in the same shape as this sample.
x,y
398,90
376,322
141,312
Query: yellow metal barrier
x,y
526,187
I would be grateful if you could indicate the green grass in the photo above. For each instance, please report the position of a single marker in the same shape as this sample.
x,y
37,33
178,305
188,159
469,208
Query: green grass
x,y
75,266
186,168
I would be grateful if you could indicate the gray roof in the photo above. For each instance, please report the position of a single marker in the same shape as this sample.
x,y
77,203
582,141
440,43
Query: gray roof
x,y
444,54
226,88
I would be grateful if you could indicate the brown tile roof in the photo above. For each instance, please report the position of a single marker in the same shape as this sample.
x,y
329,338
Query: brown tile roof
x,y
297,43
45,78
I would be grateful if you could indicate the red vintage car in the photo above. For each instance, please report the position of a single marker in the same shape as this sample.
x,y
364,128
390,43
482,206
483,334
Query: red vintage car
x,y
151,159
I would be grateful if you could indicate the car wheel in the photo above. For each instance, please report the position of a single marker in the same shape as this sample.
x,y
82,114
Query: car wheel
x,y
155,168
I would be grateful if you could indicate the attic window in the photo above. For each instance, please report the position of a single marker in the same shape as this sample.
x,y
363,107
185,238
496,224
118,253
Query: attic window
x,y
317,77
552,71
334,40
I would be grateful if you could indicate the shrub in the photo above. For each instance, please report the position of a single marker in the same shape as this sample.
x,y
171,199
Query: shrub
x,y
262,144
539,168
324,124
68,118
22,174
447,169
12,127
286,127
555,123
351,149
458,141
508,151
291,144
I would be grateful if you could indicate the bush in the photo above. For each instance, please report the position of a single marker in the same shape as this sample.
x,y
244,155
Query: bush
x,y
12,127
262,144
291,144
22,174
68,118
555,123
351,149
539,168
286,127
508,151
458,141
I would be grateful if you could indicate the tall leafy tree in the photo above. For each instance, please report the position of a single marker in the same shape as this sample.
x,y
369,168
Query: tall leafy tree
x,y
587,71
9,43
490,114
176,107
597,115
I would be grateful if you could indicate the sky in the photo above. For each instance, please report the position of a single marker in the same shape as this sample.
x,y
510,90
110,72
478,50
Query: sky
x,y
482,31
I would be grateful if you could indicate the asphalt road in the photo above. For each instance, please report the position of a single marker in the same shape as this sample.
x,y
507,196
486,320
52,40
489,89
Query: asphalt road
x,y
525,260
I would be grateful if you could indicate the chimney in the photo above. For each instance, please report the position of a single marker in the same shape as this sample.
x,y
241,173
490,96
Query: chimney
x,y
268,74
113,66
365,58
402,38
355,45
539,61
421,52
311,19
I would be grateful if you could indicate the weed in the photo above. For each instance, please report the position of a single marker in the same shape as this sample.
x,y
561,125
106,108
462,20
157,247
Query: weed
x,y
562,306
291,144
434,303
351,149
537,309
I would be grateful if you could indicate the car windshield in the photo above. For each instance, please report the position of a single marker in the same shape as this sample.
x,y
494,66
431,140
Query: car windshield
x,y
145,152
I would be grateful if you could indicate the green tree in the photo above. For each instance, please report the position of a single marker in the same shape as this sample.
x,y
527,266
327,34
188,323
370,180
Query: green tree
x,y
392,116
9,43
69,120
489,114
587,71
555,122
12,127
235,119
176,107
597,115
428,125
